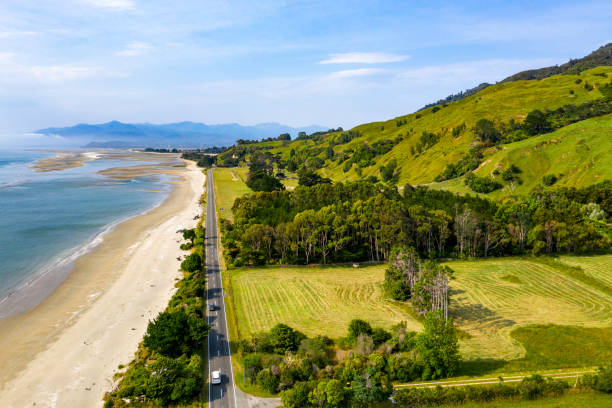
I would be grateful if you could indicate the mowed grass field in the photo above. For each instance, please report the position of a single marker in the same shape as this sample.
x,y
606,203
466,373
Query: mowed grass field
x,y
491,298
314,300
524,312
229,184
599,267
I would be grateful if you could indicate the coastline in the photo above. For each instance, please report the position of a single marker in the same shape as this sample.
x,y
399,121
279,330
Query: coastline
x,y
65,351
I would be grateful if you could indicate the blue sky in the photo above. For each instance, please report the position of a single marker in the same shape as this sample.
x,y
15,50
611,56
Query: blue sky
x,y
334,63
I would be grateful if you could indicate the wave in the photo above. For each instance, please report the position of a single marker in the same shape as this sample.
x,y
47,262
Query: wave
x,y
47,279
14,183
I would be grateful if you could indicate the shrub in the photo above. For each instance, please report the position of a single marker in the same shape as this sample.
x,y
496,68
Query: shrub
x,y
549,179
267,381
174,333
192,263
357,327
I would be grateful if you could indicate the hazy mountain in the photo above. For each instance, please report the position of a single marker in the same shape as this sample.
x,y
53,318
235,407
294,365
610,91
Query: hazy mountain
x,y
182,134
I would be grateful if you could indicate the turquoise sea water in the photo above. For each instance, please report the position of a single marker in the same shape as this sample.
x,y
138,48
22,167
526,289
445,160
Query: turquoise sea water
x,y
48,219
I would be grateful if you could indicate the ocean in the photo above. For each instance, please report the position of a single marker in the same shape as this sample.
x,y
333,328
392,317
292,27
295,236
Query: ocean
x,y
49,219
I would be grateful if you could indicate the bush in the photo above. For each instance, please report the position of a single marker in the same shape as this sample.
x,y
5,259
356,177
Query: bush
x,y
192,263
357,327
267,381
603,380
481,184
549,179
186,246
174,333
283,338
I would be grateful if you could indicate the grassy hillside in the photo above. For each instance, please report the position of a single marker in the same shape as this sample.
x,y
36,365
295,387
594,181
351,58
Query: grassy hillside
x,y
500,103
579,155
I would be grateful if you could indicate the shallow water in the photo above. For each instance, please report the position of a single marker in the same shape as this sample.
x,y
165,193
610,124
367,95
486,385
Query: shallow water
x,y
49,219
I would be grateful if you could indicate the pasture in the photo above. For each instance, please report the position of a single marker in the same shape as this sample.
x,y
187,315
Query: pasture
x,y
599,267
314,300
496,303
491,298
229,184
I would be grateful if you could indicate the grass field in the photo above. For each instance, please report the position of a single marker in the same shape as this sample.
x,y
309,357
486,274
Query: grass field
x,y
229,184
314,300
599,267
590,400
488,303
496,303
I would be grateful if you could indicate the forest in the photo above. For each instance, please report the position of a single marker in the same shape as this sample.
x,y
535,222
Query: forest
x,y
363,220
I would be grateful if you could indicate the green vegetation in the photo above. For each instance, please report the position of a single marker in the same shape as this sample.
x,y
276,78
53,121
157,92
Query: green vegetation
x,y
569,400
230,183
314,300
168,368
423,144
363,221
488,308
309,374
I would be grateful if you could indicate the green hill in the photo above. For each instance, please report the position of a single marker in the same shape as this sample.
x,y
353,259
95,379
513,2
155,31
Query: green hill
x,y
418,147
577,155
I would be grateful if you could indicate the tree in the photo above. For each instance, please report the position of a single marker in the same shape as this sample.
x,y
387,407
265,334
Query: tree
x,y
189,235
329,153
486,132
309,178
174,333
438,346
536,123
192,263
172,381
267,381
260,181
283,338
296,397
357,327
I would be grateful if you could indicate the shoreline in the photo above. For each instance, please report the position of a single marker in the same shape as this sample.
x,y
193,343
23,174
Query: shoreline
x,y
65,351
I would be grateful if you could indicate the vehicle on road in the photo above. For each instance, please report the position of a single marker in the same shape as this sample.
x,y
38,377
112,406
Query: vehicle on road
x,y
216,377
211,307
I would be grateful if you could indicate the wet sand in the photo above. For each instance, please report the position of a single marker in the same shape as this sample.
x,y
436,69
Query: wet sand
x,y
64,352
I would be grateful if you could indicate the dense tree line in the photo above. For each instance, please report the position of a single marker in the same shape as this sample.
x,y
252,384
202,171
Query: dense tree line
x,y
168,367
363,221
308,374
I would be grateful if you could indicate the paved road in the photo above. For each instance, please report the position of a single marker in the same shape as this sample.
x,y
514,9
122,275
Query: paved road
x,y
219,354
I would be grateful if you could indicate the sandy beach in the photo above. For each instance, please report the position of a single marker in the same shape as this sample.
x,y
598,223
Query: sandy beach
x,y
64,352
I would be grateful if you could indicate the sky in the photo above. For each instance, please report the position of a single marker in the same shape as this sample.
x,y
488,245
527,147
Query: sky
x,y
331,63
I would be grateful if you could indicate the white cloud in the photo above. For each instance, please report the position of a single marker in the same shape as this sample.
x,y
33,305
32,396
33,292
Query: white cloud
x,y
364,58
350,73
117,5
135,48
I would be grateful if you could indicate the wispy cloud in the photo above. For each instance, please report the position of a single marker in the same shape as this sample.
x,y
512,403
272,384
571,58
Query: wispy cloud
x,y
117,5
14,72
364,58
135,48
350,73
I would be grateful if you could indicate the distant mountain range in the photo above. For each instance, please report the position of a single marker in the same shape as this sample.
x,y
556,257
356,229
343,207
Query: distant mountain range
x,y
183,134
